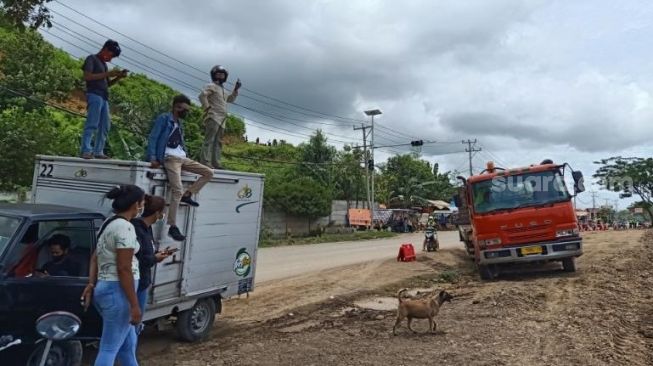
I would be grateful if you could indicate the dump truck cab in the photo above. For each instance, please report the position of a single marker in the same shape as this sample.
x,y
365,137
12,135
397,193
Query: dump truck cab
x,y
520,215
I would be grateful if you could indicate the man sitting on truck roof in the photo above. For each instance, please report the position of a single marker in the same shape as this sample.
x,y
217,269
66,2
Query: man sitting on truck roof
x,y
166,146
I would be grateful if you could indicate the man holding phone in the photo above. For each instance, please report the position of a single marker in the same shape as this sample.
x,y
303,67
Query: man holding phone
x,y
98,79
214,103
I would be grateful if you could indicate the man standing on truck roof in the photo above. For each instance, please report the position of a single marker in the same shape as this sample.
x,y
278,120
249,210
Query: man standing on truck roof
x,y
166,146
98,80
214,103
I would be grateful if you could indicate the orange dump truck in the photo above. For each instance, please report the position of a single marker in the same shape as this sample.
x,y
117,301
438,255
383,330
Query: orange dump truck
x,y
509,216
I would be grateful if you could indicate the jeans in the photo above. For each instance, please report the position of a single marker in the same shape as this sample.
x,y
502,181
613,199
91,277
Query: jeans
x,y
118,340
142,298
98,122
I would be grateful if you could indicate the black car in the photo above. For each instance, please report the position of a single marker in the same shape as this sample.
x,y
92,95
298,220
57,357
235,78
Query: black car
x,y
26,293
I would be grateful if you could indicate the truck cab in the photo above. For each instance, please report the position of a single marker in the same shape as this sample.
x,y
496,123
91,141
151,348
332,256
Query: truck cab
x,y
520,215
25,292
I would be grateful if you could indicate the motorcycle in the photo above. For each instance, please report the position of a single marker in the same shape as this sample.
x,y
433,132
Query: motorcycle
x,y
58,326
431,243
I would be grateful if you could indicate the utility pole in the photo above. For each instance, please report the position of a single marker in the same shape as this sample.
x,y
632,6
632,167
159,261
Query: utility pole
x,y
593,214
372,113
470,149
364,128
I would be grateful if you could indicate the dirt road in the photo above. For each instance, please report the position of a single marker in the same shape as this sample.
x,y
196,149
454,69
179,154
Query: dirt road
x,y
283,262
600,315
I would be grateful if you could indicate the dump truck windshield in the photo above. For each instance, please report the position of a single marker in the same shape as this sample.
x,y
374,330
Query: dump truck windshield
x,y
531,189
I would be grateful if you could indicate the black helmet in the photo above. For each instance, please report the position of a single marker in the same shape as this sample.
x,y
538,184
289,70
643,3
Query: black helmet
x,y
217,70
113,47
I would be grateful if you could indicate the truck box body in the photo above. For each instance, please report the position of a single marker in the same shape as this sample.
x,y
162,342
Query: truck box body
x,y
219,255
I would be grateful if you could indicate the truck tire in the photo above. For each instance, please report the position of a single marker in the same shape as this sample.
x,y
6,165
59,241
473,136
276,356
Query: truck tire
x,y
195,323
486,272
569,264
66,353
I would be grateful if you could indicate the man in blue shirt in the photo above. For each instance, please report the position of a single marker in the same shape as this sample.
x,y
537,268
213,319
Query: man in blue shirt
x,y
98,80
166,146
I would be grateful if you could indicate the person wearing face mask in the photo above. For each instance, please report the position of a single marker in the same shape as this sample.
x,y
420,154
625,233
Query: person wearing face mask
x,y
114,276
148,255
61,263
98,79
214,101
166,146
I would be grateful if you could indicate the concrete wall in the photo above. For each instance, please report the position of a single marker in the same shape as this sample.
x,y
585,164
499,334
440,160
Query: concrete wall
x,y
277,223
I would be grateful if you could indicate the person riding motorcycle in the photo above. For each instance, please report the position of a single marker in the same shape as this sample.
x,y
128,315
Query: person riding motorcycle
x,y
430,235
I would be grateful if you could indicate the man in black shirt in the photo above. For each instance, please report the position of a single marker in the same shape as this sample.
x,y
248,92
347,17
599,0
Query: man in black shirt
x,y
98,80
61,263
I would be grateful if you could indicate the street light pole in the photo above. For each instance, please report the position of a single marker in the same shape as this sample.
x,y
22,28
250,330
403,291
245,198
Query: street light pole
x,y
372,113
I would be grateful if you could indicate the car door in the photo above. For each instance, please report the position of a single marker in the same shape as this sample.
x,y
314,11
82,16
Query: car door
x,y
29,297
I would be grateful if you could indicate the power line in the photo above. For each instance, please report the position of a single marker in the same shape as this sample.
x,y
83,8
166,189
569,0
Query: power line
x,y
41,101
188,65
188,87
349,120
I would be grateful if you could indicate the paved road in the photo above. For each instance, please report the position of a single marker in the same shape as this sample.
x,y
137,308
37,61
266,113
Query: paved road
x,y
290,261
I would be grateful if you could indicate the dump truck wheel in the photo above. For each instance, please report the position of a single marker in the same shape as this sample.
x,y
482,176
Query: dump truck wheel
x,y
486,272
569,264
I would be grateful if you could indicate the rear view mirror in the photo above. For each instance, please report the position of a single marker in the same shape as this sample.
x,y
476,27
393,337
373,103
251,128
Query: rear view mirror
x,y
56,326
579,181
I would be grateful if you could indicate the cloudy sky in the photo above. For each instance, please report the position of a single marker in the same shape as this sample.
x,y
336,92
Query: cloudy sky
x,y
567,80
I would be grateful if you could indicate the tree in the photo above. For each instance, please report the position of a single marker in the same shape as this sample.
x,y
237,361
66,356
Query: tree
x,y
628,176
34,67
317,155
23,135
349,176
301,197
34,13
405,177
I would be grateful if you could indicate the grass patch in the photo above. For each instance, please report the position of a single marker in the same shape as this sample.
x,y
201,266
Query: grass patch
x,y
327,238
449,276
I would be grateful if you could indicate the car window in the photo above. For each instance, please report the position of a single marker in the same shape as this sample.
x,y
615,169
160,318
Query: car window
x,y
33,253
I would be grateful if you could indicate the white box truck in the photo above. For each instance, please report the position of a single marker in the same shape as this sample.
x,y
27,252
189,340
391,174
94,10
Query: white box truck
x,y
216,261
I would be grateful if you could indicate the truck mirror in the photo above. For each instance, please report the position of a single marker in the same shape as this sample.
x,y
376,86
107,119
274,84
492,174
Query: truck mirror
x,y
579,181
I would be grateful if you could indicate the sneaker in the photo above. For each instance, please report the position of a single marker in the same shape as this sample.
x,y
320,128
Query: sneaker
x,y
87,156
175,234
189,201
102,156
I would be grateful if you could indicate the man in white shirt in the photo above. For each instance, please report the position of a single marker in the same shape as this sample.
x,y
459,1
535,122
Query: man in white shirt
x,y
166,145
214,101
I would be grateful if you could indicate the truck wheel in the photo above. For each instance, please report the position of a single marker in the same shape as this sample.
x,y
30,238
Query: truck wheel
x,y
195,323
66,353
569,264
486,272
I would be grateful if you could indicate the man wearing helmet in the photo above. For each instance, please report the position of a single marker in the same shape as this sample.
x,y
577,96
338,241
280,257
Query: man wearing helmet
x,y
214,102
98,79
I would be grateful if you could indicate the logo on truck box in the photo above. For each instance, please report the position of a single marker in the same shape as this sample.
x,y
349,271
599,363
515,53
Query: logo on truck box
x,y
243,263
245,195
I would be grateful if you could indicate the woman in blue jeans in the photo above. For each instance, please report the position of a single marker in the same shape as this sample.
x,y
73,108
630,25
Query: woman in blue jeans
x,y
148,255
114,279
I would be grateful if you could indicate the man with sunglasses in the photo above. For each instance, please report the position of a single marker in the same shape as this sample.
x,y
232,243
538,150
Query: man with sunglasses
x,y
166,147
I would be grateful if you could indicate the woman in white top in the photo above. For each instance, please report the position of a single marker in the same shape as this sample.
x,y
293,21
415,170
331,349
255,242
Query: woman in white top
x,y
115,279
